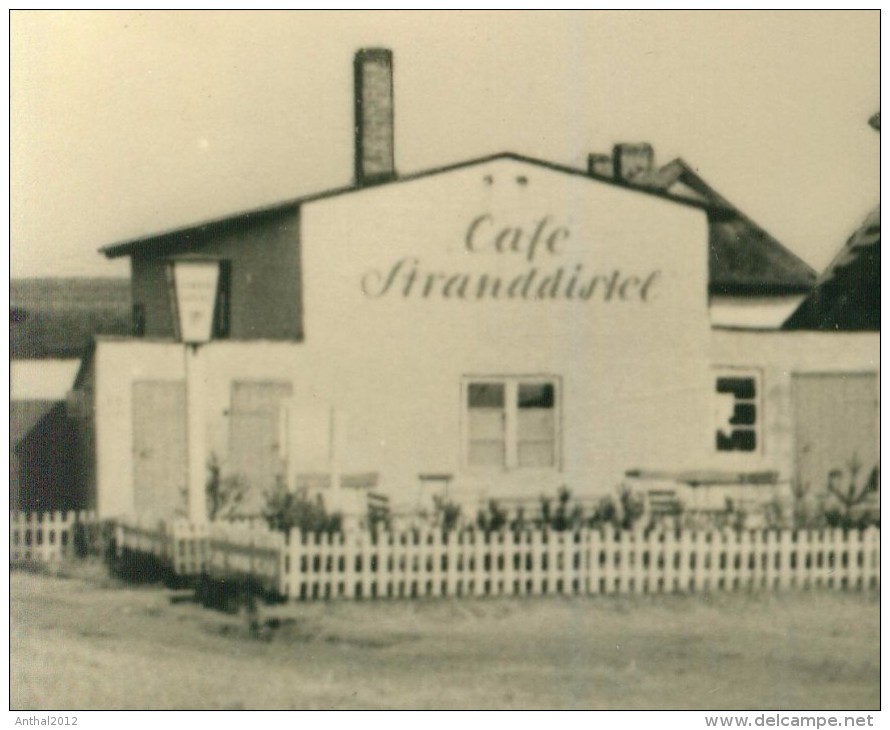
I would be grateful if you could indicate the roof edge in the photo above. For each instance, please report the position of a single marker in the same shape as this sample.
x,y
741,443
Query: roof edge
x,y
128,247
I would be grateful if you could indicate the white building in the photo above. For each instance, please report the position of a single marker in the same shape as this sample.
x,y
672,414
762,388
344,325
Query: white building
x,y
498,328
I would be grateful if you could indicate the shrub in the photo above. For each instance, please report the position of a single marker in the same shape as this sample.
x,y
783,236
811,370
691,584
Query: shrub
x,y
447,514
223,494
519,522
285,510
632,508
851,496
493,518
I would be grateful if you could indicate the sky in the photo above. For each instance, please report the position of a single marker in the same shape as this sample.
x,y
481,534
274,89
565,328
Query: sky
x,y
127,123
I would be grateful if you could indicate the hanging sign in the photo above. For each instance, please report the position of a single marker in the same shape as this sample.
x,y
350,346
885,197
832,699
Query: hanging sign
x,y
193,292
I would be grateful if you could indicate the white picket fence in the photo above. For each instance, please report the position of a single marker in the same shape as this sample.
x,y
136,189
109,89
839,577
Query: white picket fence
x,y
192,549
472,563
44,537
585,563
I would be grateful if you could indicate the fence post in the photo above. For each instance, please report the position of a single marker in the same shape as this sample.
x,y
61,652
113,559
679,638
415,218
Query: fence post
x,y
633,540
494,551
872,539
730,551
598,559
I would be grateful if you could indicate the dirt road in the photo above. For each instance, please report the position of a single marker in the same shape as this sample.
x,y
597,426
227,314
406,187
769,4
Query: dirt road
x,y
88,643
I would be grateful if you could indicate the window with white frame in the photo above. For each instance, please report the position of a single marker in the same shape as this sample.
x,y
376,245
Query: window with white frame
x,y
738,415
512,422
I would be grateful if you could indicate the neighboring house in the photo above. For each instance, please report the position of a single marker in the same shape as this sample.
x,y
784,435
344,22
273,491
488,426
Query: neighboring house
x,y
847,297
505,325
40,435
52,323
845,302
753,281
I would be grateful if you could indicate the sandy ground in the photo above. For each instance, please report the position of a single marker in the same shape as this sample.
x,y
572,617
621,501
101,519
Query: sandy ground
x,y
86,642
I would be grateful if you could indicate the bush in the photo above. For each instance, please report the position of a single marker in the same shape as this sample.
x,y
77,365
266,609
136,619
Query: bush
x,y
492,519
852,495
447,514
223,494
285,510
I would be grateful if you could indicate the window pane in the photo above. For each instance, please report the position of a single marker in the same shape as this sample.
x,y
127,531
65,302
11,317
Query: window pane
x,y
486,424
485,395
744,414
739,440
535,424
739,387
536,395
535,453
486,453
736,411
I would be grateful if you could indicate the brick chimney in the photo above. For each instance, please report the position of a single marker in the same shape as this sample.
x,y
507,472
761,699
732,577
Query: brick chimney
x,y
600,165
374,147
632,161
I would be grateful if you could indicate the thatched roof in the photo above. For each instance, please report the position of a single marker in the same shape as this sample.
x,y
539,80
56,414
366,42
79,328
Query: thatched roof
x,y
24,415
848,294
743,259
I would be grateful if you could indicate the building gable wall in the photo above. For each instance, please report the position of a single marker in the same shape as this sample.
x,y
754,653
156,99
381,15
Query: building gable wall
x,y
402,312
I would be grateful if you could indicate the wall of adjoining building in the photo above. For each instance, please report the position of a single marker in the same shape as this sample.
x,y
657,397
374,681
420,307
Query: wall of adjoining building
x,y
781,357
117,365
393,430
752,311
264,255
41,436
81,407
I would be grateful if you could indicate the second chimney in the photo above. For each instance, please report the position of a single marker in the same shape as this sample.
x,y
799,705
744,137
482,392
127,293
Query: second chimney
x,y
600,165
374,143
632,161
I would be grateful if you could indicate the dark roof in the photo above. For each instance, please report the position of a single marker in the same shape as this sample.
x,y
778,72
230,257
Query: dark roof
x,y
183,234
24,415
847,295
743,259
57,318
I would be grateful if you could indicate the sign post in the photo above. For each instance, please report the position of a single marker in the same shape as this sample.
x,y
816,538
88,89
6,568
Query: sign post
x,y
193,284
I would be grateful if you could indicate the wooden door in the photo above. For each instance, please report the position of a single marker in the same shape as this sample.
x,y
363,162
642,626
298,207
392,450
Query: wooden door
x,y
255,448
160,459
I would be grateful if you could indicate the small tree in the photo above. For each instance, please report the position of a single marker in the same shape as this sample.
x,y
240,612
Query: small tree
x,y
224,495
492,518
560,519
774,514
447,513
544,520
498,516
800,489
850,493
605,513
632,508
